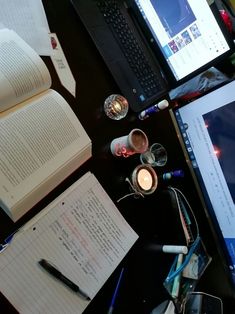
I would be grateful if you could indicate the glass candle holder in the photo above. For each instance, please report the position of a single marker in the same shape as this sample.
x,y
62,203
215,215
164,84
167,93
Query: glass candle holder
x,y
116,107
156,156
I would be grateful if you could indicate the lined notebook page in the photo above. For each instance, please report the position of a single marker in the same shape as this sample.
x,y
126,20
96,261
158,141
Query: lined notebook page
x,y
83,234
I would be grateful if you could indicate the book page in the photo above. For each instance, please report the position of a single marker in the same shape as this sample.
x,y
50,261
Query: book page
x,y
22,72
28,19
37,140
83,234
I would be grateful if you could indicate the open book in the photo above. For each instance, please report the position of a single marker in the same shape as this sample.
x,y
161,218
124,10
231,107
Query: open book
x,y
81,233
42,141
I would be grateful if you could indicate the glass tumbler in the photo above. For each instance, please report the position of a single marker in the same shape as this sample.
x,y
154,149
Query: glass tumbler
x,y
155,155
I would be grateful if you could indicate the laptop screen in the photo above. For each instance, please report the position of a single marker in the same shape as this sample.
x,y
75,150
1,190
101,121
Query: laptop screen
x,y
206,127
188,33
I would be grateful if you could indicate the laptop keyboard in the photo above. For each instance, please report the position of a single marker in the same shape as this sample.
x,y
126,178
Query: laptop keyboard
x,y
135,56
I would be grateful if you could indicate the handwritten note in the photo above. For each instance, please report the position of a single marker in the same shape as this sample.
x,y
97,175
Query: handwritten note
x,y
83,234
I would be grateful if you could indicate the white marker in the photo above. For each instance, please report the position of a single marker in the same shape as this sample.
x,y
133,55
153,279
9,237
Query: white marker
x,y
174,249
155,108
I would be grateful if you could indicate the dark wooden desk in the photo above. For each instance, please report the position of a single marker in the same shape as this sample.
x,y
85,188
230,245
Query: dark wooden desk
x,y
142,287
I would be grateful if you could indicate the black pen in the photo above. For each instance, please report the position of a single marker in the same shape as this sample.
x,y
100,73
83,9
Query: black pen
x,y
52,270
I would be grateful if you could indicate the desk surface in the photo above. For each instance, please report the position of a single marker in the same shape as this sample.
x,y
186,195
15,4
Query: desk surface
x,y
142,287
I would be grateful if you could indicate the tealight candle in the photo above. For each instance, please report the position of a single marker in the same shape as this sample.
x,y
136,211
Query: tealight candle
x,y
144,179
117,108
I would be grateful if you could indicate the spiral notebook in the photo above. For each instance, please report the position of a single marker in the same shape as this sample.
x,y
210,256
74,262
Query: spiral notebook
x,y
82,233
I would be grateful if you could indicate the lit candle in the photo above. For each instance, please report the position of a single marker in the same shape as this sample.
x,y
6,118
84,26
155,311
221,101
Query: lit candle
x,y
117,108
144,179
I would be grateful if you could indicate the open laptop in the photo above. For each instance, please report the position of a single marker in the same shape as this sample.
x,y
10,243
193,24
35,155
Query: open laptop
x,y
152,46
206,129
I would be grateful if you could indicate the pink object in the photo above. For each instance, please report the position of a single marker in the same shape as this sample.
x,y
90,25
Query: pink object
x,y
227,20
135,142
